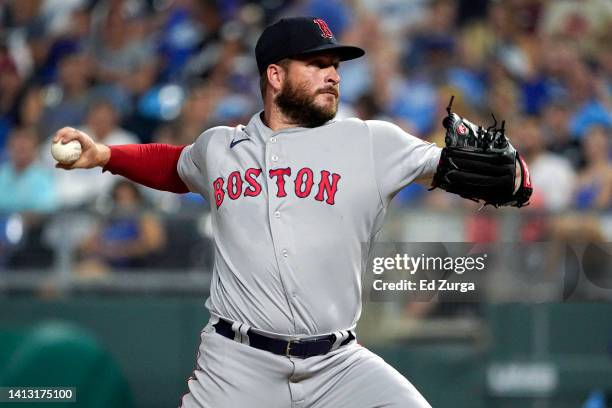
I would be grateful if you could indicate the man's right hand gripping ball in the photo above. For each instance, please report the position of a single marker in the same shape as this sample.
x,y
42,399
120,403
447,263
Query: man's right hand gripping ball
x,y
92,154
481,165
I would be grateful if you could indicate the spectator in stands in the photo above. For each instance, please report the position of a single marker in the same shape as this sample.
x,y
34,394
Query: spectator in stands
x,y
503,98
589,109
196,112
552,175
426,68
10,84
26,186
123,54
127,238
68,103
580,23
103,124
31,110
26,33
555,126
181,37
70,23
604,63
594,186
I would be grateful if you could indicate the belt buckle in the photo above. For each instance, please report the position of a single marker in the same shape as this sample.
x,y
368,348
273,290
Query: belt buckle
x,y
288,349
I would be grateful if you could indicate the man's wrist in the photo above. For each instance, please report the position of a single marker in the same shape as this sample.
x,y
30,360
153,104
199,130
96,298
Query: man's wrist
x,y
104,154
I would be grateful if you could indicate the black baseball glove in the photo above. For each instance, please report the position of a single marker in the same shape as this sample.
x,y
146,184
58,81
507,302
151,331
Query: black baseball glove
x,y
480,164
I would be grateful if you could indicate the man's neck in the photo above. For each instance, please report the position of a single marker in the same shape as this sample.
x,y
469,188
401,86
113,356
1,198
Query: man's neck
x,y
274,119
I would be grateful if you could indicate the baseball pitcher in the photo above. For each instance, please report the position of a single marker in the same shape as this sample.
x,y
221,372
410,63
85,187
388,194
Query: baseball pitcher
x,y
293,194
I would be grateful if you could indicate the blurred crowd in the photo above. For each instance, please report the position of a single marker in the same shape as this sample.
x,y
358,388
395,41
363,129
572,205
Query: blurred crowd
x,y
130,71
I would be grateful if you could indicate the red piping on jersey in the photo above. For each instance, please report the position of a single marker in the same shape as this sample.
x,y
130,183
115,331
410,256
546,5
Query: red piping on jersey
x,y
152,165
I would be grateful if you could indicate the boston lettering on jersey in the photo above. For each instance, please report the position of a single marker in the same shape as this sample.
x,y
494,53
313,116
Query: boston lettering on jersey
x,y
247,185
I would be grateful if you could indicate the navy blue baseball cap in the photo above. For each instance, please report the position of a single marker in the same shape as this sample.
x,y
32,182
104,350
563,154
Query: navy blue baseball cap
x,y
290,37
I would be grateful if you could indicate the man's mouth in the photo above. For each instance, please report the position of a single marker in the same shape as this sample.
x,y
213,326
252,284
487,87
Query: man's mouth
x,y
329,91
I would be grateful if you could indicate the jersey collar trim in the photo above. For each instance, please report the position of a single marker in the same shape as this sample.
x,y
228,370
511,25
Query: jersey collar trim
x,y
257,128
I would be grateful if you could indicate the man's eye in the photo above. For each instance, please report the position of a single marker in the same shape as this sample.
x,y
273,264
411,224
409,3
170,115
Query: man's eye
x,y
323,64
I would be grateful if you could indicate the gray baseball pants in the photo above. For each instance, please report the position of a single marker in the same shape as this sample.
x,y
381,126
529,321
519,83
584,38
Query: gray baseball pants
x,y
230,374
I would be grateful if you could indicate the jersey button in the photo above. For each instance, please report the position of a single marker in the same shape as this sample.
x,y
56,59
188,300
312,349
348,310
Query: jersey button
x,y
273,139
274,158
285,253
277,214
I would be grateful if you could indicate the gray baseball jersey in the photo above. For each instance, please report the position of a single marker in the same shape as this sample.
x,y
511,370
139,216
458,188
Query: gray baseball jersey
x,y
290,210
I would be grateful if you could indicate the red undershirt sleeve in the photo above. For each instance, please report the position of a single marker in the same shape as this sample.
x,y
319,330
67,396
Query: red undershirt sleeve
x,y
152,165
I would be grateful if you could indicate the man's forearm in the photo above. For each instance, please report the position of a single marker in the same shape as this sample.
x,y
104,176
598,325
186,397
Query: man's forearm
x,y
153,165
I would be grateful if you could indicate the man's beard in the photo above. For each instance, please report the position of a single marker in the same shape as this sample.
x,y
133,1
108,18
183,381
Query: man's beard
x,y
299,106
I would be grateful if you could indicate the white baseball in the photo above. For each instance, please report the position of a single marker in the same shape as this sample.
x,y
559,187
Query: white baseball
x,y
66,153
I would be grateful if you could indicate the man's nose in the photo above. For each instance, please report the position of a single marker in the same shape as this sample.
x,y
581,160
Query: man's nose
x,y
332,76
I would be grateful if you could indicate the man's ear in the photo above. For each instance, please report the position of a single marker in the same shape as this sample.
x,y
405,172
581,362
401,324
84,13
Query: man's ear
x,y
276,76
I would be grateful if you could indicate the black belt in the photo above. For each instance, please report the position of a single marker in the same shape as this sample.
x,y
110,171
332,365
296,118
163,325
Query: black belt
x,y
302,348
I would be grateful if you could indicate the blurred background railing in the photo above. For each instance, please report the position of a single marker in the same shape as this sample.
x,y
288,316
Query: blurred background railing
x,y
80,251
118,250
